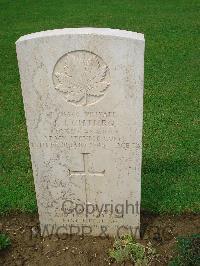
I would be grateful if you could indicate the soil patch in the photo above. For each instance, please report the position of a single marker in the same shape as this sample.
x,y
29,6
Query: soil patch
x,y
28,248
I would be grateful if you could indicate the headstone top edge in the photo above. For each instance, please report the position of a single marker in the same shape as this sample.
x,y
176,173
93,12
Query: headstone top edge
x,y
84,31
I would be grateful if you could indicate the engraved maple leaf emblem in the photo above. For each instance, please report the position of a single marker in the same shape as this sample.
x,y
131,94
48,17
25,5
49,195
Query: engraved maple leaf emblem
x,y
82,75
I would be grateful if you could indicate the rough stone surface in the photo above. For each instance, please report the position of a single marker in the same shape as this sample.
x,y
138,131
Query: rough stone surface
x,y
83,98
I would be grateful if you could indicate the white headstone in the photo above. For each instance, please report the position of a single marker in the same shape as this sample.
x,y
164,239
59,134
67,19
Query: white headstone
x,y
83,98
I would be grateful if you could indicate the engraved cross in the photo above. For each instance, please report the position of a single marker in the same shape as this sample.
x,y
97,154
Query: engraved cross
x,y
86,171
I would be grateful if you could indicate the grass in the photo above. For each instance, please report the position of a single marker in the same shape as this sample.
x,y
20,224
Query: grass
x,y
188,251
5,241
170,173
